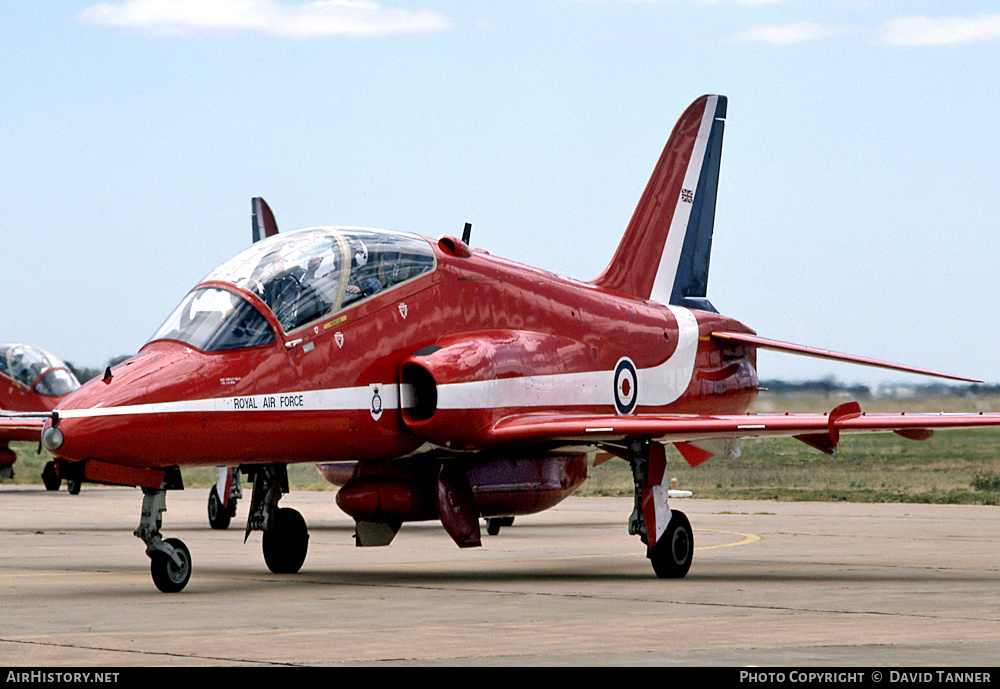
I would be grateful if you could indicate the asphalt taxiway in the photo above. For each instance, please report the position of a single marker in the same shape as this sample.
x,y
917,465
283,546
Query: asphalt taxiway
x,y
771,584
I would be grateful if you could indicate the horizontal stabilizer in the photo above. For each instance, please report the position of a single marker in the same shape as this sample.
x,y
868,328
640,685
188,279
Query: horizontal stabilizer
x,y
802,350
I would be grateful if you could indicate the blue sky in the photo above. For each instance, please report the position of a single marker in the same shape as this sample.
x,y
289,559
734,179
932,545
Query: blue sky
x,y
860,173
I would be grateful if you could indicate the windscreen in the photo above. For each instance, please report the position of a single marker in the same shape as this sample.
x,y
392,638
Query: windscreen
x,y
212,319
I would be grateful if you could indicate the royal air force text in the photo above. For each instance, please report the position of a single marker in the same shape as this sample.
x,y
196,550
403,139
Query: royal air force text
x,y
270,402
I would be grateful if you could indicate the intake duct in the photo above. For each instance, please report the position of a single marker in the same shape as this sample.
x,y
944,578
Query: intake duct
x,y
423,392
454,391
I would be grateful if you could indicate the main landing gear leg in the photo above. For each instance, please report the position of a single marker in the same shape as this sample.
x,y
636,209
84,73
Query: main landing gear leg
x,y
170,560
286,537
666,533
638,459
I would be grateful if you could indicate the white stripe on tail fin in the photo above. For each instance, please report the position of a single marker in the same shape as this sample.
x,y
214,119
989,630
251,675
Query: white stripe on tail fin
x,y
665,252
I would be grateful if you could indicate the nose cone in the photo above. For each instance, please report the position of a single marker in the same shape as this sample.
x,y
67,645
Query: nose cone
x,y
115,418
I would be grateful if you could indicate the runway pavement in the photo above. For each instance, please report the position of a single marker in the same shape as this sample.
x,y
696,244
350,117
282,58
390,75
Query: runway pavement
x,y
788,584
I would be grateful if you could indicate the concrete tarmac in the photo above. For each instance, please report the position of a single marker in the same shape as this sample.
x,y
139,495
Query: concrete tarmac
x,y
789,584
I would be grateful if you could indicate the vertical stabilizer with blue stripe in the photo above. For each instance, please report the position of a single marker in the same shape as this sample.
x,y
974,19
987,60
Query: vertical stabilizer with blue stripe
x,y
665,253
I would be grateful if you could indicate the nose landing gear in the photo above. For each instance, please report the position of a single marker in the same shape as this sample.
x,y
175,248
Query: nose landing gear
x,y
170,559
285,541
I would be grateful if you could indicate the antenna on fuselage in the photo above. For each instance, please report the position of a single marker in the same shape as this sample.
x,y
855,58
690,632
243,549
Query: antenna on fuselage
x,y
467,232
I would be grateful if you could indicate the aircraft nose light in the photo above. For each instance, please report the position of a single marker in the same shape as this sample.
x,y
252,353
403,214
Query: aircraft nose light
x,y
52,438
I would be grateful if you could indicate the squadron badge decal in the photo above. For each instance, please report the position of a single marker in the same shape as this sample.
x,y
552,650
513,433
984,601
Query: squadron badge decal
x,y
376,409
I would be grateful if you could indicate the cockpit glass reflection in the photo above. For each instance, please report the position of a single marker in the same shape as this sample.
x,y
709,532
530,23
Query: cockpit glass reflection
x,y
213,319
306,275
57,382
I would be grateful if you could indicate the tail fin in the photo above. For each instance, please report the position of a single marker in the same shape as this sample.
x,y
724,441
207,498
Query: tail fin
x,y
665,252
262,219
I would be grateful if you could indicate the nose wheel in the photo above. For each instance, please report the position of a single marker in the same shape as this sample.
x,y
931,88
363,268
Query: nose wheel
x,y
494,524
171,572
50,477
169,559
218,514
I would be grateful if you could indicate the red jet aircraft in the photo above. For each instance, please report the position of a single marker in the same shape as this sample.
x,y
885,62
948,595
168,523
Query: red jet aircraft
x,y
434,381
31,381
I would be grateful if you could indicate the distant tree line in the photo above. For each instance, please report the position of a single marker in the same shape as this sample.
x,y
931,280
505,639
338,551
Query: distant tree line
x,y
828,386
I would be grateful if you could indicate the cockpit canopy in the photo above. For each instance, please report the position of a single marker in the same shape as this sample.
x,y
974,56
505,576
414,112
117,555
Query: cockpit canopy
x,y
37,370
301,276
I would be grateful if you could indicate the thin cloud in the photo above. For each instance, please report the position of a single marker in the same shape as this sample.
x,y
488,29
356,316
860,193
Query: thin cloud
x,y
304,20
919,31
793,32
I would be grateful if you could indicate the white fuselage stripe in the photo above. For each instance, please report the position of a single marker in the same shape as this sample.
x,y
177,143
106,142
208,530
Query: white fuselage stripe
x,y
657,386
336,399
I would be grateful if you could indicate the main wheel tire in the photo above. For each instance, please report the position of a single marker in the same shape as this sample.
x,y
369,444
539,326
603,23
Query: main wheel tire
x,y
672,554
218,516
167,575
50,478
285,544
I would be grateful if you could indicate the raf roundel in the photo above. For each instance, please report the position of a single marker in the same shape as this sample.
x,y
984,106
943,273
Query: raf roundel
x,y
626,386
